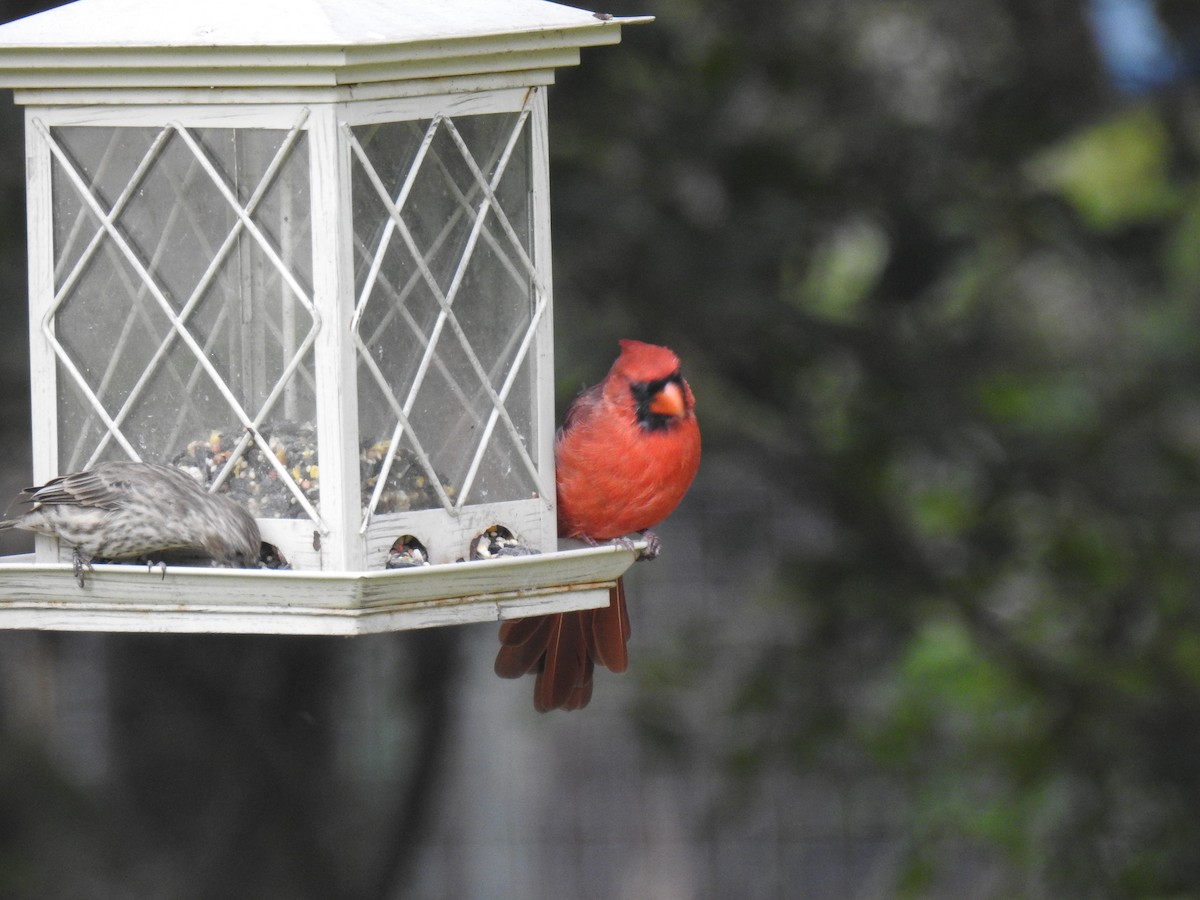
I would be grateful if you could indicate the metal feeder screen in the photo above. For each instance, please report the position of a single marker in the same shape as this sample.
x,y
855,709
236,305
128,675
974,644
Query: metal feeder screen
x,y
183,319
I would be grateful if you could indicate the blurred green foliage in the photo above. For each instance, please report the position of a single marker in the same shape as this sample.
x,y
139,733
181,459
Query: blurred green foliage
x,y
931,275
1116,173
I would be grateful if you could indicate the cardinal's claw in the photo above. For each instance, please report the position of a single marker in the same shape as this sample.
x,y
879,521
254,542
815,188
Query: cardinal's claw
x,y
651,550
623,542
161,566
653,545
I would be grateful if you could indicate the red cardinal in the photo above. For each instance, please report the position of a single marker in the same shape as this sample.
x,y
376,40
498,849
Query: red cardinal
x,y
625,457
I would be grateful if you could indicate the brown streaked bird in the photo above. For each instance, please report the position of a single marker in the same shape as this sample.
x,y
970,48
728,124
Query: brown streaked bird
x,y
140,511
625,457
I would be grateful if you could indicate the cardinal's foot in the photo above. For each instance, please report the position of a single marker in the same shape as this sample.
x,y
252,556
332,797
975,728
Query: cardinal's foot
x,y
653,545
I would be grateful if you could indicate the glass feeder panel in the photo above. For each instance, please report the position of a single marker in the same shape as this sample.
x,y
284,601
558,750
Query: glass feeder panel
x,y
182,318
448,300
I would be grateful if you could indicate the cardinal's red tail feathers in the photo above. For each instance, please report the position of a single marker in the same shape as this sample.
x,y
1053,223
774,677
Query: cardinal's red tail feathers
x,y
522,646
564,649
566,673
609,634
582,693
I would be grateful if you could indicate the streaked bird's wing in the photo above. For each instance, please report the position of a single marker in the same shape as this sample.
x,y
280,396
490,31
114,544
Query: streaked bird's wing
x,y
94,488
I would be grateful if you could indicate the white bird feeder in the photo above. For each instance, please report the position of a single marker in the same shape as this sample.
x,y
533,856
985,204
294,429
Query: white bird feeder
x,y
302,249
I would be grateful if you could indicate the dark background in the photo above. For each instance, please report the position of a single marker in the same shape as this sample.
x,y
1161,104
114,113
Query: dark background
x,y
928,624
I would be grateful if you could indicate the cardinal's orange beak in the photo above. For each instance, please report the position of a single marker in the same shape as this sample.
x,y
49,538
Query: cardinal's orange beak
x,y
668,401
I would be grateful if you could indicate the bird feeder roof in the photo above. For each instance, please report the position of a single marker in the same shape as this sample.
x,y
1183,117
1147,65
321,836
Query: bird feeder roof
x,y
252,44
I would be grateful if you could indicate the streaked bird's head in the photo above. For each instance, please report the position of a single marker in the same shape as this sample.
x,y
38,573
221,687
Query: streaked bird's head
x,y
233,538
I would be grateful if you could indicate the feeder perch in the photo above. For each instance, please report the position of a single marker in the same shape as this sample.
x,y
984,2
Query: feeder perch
x,y
301,249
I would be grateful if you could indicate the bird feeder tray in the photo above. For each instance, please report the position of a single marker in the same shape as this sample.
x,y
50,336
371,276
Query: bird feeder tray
x,y
183,599
301,249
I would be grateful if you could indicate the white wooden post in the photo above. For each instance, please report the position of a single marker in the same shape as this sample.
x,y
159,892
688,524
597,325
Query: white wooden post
x,y
333,285
542,256
43,376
